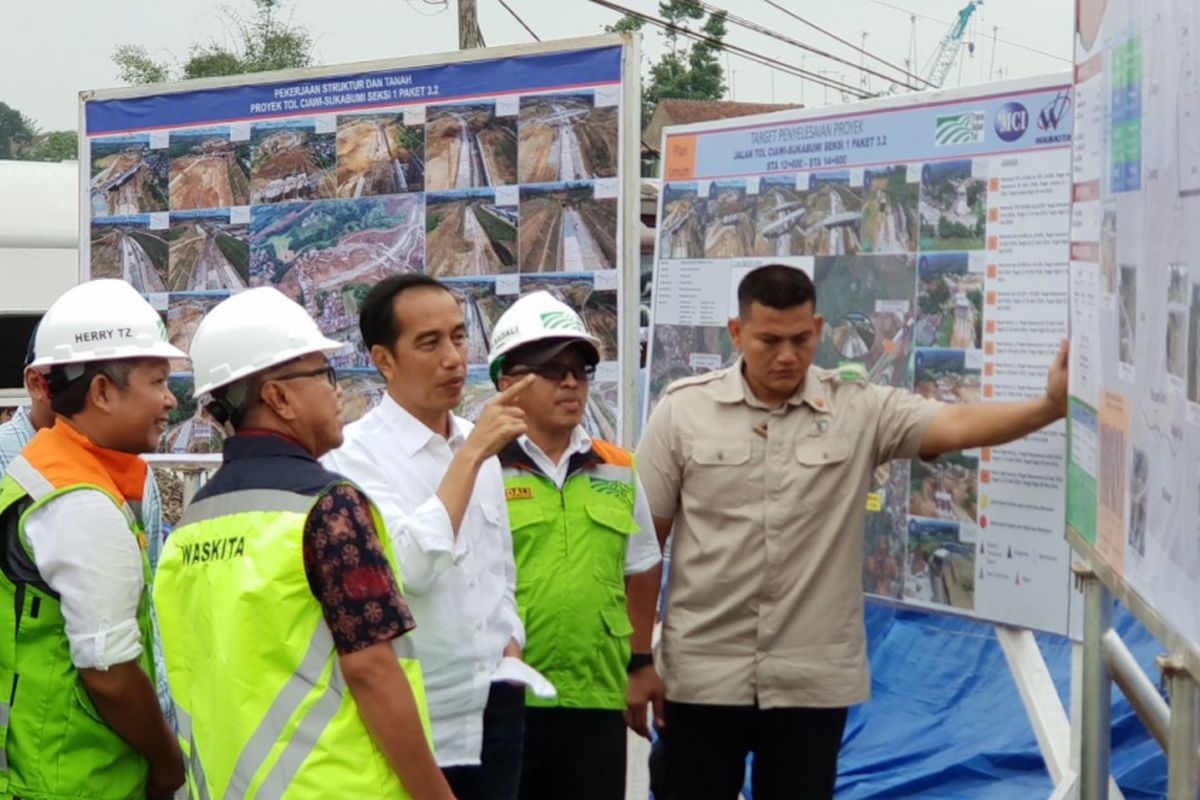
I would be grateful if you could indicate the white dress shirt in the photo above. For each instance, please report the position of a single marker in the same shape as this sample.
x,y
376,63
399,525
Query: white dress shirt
x,y
84,550
461,591
642,552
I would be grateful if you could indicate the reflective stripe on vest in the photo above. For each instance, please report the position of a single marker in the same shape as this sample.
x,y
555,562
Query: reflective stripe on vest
x,y
294,719
194,765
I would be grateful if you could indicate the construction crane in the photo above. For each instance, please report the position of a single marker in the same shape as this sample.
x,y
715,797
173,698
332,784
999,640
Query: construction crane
x,y
947,51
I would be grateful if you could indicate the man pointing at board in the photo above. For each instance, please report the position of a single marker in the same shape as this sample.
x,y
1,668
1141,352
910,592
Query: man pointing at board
x,y
763,470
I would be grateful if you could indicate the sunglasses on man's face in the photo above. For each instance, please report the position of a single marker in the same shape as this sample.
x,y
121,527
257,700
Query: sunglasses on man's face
x,y
329,371
558,372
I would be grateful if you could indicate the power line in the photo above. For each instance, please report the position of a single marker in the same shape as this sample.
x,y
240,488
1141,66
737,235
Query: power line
x,y
754,26
851,45
750,55
946,22
517,17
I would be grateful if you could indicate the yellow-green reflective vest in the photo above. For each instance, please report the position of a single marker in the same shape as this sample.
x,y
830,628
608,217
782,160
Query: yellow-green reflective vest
x,y
569,547
262,706
53,743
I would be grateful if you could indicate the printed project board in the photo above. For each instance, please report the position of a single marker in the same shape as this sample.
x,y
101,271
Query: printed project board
x,y
497,171
935,228
1133,486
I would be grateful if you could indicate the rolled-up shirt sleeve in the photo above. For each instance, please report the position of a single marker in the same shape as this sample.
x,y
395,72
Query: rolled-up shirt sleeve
x,y
85,551
422,536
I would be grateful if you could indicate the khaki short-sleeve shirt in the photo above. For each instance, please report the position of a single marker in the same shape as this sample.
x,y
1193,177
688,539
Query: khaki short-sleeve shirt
x,y
765,594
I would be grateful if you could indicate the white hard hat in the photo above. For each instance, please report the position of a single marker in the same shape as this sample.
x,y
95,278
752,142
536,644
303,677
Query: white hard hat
x,y
249,332
538,316
101,320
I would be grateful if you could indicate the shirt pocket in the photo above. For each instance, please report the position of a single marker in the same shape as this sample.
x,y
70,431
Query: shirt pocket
x,y
491,549
718,473
613,526
821,470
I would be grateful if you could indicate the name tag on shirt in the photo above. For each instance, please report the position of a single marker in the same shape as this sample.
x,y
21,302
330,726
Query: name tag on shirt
x,y
518,493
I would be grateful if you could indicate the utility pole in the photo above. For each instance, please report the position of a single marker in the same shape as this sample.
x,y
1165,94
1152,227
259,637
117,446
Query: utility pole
x,y
470,36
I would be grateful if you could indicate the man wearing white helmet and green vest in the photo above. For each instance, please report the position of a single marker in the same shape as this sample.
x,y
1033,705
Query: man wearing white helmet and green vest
x,y
587,560
78,712
279,602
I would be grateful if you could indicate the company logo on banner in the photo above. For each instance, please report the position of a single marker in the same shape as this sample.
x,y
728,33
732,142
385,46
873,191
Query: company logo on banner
x,y
1012,120
1051,115
964,128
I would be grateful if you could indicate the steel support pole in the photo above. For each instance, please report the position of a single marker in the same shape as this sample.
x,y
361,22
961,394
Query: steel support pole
x,y
1183,783
1097,688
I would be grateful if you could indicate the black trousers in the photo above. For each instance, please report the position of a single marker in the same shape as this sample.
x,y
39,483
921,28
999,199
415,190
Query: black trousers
x,y
499,773
703,752
573,754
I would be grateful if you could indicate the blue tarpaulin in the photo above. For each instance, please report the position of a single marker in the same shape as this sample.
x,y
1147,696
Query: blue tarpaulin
x,y
946,720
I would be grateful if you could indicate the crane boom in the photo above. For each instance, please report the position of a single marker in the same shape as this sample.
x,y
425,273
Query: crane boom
x,y
947,51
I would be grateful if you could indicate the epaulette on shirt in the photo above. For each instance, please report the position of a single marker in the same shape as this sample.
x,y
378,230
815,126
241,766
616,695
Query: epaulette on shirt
x,y
696,380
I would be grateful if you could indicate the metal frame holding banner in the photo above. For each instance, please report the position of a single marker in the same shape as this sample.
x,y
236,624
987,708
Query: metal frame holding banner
x,y
1134,423
935,228
499,171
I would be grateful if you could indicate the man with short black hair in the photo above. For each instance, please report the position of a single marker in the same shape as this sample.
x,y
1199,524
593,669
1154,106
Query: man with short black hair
x,y
438,486
763,469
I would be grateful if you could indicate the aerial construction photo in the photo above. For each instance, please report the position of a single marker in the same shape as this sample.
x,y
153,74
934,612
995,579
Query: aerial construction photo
x,y
949,301
469,145
125,247
953,206
681,231
289,161
207,252
564,228
564,137
481,307
189,428
208,170
940,568
943,374
127,176
468,234
379,154
946,488
729,221
327,255
889,213
185,310
829,226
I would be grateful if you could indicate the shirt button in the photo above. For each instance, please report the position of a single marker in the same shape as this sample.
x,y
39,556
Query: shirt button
x,y
483,667
478,626
473,582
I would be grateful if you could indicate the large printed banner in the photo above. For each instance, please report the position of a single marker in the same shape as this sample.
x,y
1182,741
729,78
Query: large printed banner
x,y
1135,300
935,228
498,175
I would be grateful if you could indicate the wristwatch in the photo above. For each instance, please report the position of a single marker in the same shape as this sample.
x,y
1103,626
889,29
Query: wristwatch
x,y
639,660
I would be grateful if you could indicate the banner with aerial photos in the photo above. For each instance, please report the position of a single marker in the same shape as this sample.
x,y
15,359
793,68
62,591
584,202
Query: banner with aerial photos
x,y
496,171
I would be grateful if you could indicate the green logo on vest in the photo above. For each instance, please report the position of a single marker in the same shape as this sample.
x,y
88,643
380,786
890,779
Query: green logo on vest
x,y
618,489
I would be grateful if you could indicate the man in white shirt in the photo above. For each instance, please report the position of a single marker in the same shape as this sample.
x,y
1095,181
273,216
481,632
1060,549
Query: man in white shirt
x,y
437,483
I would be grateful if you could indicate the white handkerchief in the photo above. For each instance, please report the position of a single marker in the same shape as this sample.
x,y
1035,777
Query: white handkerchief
x,y
517,671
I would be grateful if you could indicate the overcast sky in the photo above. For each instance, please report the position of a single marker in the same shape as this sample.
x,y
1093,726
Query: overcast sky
x,y
53,49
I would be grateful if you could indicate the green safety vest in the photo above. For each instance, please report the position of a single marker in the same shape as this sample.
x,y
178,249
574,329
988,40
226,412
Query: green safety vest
x,y
569,547
262,706
53,742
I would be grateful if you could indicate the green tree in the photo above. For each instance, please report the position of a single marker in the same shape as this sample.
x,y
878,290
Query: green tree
x,y
265,41
689,69
15,128
52,146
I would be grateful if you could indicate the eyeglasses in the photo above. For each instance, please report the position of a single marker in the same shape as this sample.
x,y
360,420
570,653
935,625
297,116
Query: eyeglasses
x,y
558,372
329,371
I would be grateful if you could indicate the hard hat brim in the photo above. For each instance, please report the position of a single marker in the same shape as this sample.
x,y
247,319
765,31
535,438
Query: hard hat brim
x,y
323,345
156,350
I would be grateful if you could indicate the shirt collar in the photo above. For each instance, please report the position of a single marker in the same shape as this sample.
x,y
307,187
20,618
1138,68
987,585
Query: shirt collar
x,y
580,443
412,434
22,420
262,444
732,388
